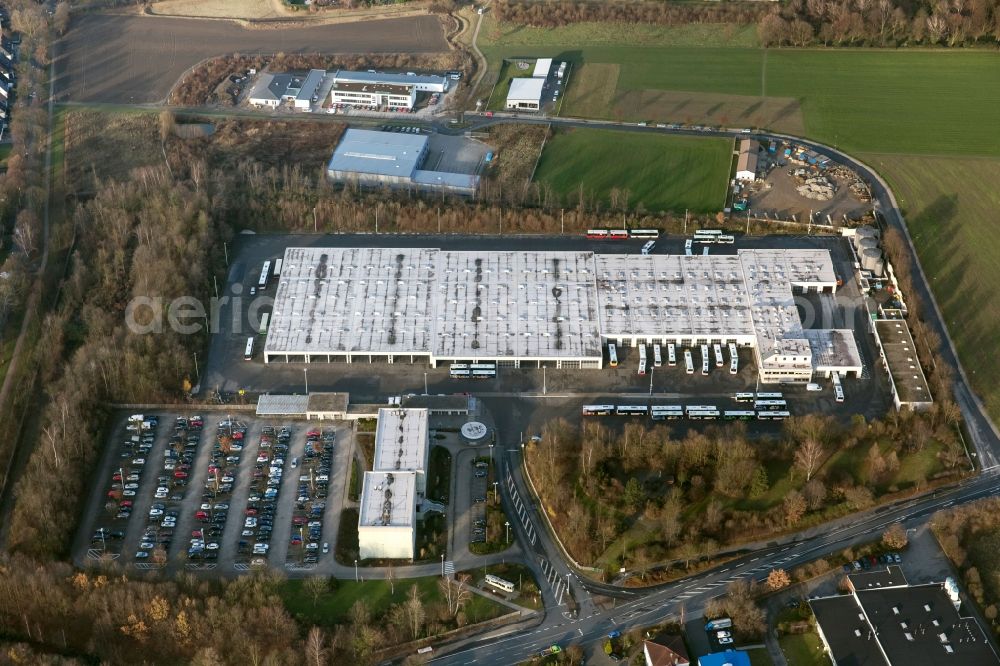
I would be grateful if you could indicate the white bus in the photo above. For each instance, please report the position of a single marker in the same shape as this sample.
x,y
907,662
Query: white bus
x,y
459,370
769,396
704,251
277,267
773,416
743,397
657,356
499,583
483,366
687,247
772,405
708,232
642,352
265,275
703,415
631,410
644,233
726,239
647,247
689,361
661,412
704,359
264,321
612,355
734,365
671,355
717,350
838,392
738,414
484,374
642,367
248,354
598,410
701,408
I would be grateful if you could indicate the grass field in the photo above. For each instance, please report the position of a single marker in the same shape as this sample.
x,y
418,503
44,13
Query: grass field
x,y
660,172
238,9
803,650
951,206
508,70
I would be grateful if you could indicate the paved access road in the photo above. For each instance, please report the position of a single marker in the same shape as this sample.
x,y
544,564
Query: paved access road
x,y
133,59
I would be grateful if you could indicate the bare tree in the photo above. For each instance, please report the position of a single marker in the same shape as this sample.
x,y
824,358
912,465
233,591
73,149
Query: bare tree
x,y
60,18
315,647
414,611
777,579
455,593
809,456
315,587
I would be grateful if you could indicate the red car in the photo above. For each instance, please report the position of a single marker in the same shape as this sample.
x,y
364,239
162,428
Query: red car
x,y
201,515
180,474
196,534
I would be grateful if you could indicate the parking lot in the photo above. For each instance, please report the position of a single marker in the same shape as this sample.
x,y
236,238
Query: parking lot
x,y
227,492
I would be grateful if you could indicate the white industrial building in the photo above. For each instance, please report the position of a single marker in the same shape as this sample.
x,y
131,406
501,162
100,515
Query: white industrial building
x,y
387,516
525,94
382,95
746,163
542,68
373,158
271,90
524,309
307,92
420,83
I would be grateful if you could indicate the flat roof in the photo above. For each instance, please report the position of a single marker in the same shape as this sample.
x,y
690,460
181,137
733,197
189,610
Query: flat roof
x,y
388,499
391,88
328,402
748,156
311,84
446,179
433,403
901,357
877,579
833,349
380,153
282,405
901,624
528,89
389,77
401,440
542,68
490,304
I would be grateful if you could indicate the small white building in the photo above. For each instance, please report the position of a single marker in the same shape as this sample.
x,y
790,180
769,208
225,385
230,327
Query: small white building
x,y
308,90
269,90
402,443
542,68
387,516
525,94
746,165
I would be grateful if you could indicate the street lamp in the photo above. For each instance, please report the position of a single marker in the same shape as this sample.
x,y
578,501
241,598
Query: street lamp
x,y
305,373
496,497
425,383
442,565
355,571
507,525
491,455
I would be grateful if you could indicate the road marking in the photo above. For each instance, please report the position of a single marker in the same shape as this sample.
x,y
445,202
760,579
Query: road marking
x,y
725,570
754,559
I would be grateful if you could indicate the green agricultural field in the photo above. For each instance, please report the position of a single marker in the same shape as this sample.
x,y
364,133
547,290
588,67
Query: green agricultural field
x,y
660,172
951,205
508,70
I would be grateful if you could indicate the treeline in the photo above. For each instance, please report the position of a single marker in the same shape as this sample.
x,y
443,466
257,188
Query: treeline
x,y
798,22
148,239
198,86
969,535
683,498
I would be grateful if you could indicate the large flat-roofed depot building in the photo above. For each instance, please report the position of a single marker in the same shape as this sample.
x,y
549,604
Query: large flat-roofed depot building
x,y
523,309
392,159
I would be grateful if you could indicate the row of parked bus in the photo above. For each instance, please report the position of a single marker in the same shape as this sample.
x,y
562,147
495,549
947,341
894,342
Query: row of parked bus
x,y
693,412
671,357
472,370
713,236
622,234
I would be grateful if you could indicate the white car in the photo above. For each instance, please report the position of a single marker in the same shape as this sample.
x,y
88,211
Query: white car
x,y
147,545
153,513
128,493
725,641
214,545
326,547
250,522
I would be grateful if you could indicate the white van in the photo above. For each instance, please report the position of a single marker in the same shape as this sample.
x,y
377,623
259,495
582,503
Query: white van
x,y
813,387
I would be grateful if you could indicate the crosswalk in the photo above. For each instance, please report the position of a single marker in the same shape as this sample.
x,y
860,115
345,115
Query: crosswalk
x,y
522,513
556,582
689,591
449,568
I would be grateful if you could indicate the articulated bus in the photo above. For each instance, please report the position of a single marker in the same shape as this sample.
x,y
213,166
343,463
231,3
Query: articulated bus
x,y
704,359
734,359
598,410
707,236
701,408
770,405
484,374
717,351
631,410
612,355
598,234
769,396
703,415
642,367
248,354
642,352
726,239
689,361
644,233
773,416
738,414
265,275
265,319
743,397
483,366
499,583
657,356
671,355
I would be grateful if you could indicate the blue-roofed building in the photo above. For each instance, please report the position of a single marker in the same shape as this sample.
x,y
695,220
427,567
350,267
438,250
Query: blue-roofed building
x,y
373,158
727,658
